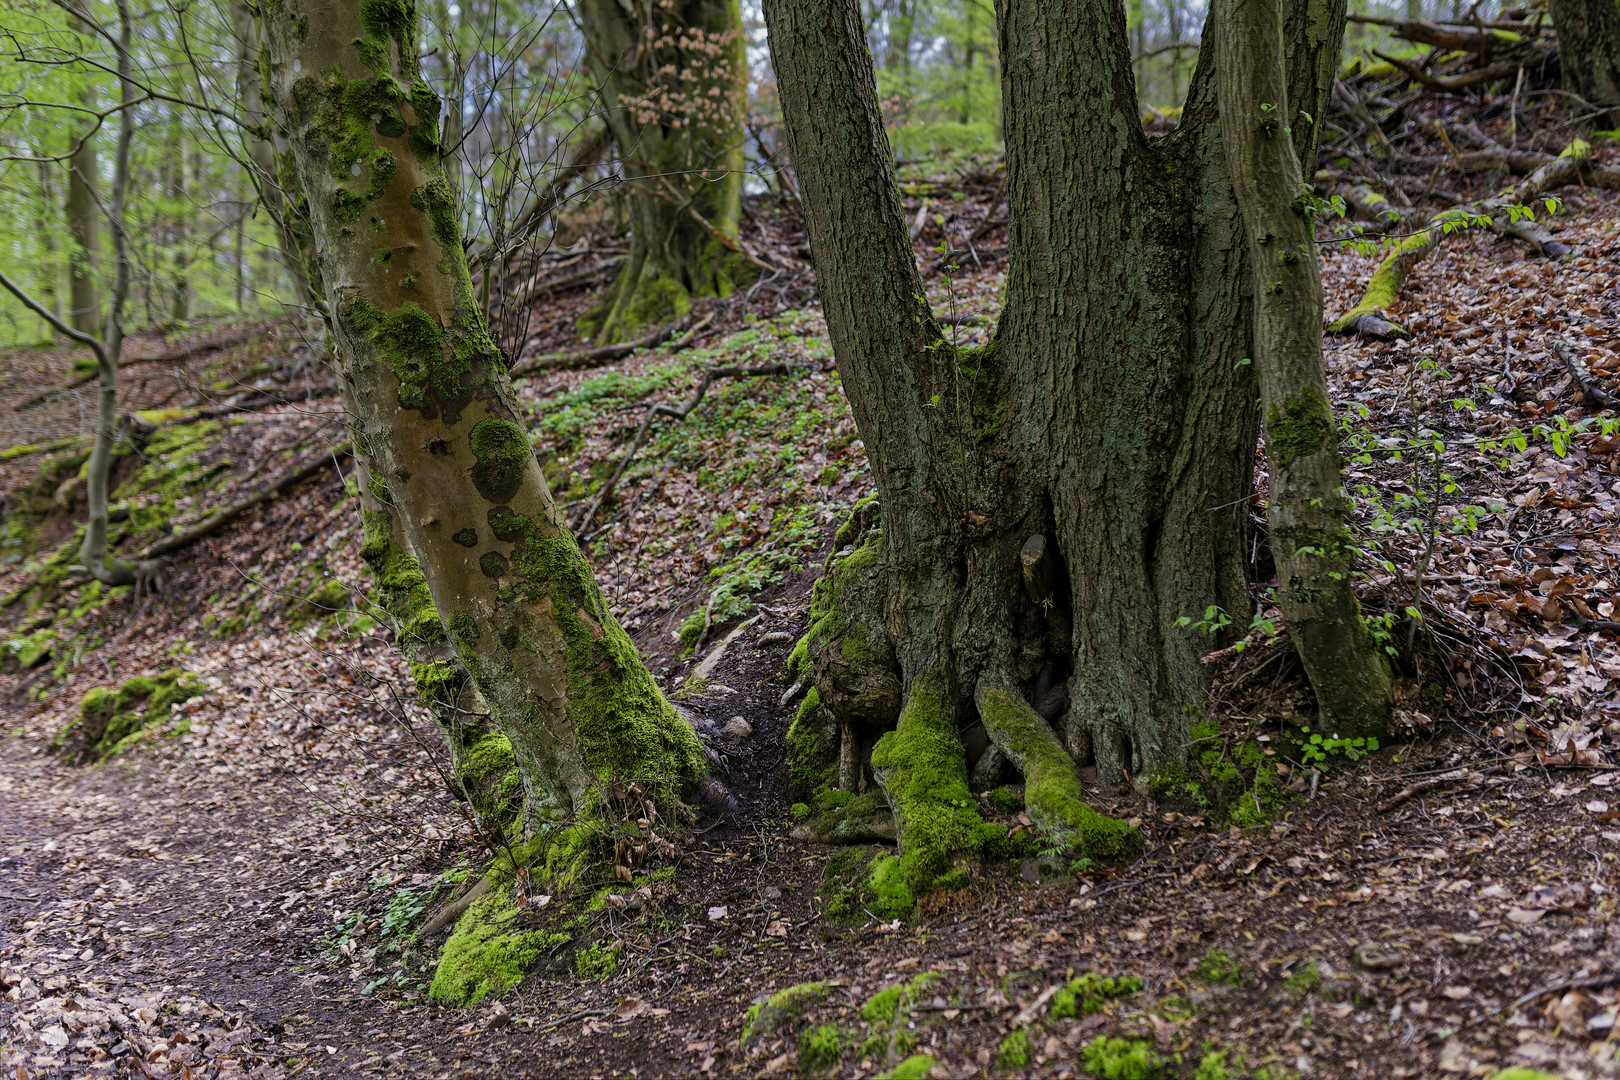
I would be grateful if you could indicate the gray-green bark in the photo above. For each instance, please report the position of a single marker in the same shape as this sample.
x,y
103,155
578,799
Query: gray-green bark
x,y
1589,48
1308,512
261,151
1110,416
672,84
82,214
434,412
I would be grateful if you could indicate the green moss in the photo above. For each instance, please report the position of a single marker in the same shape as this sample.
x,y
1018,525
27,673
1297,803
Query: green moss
x,y
1014,1051
464,632
780,1009
1519,1072
111,720
467,538
501,455
1006,800
1302,979
412,345
493,564
812,754
1218,969
924,775
1301,428
1089,993
326,600
624,725
820,1048
656,300
1213,1066
399,587
1122,1059
1052,792
915,1067
486,953
886,1006
599,962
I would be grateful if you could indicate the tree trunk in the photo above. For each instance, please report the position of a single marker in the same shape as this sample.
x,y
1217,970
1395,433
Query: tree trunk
x,y
1589,49
261,150
1308,514
672,86
180,235
93,550
1107,432
82,213
434,412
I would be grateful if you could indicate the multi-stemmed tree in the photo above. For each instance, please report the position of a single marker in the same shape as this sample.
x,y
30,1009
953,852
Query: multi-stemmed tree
x,y
1054,502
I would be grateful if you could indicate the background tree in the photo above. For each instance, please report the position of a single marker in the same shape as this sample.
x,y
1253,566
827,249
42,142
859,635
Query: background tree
x,y
672,79
1054,502
1589,48
433,411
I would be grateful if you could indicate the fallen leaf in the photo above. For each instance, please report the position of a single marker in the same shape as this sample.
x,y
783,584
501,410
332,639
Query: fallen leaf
x,y
1456,993
717,912
1526,916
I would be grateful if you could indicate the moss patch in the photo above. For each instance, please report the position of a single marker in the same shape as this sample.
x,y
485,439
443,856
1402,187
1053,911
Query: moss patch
x,y
779,1010
1303,426
1089,993
111,720
600,962
487,953
1122,1059
820,1048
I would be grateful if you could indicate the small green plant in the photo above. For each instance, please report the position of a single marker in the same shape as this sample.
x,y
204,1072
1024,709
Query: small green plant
x,y
1212,1066
1089,993
1218,969
1300,981
1317,749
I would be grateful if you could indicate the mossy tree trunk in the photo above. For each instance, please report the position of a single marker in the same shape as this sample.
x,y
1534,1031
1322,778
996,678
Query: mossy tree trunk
x,y
672,80
434,412
481,769
1589,49
1052,503
1308,513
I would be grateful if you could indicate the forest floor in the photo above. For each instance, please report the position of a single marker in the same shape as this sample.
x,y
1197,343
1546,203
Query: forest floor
x,y
237,892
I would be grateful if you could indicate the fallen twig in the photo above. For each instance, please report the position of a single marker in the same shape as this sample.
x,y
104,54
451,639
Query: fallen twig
x,y
1411,791
606,354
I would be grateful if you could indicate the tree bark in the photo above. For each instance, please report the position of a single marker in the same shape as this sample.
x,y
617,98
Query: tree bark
x,y
261,151
1110,415
1589,49
82,213
435,414
1308,512
672,82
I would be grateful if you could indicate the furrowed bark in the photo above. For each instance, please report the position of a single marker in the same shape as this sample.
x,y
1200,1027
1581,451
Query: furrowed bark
x,y
1310,537
434,412
1589,50
672,80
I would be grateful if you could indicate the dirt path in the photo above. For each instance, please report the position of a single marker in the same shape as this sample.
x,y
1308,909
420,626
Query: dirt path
x,y
184,912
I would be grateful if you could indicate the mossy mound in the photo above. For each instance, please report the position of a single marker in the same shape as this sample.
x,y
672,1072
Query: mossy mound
x,y
1089,993
780,1009
110,720
487,952
837,817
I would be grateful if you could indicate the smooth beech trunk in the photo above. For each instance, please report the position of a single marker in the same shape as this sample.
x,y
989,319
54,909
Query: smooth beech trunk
x,y
672,81
1052,503
434,413
1308,512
